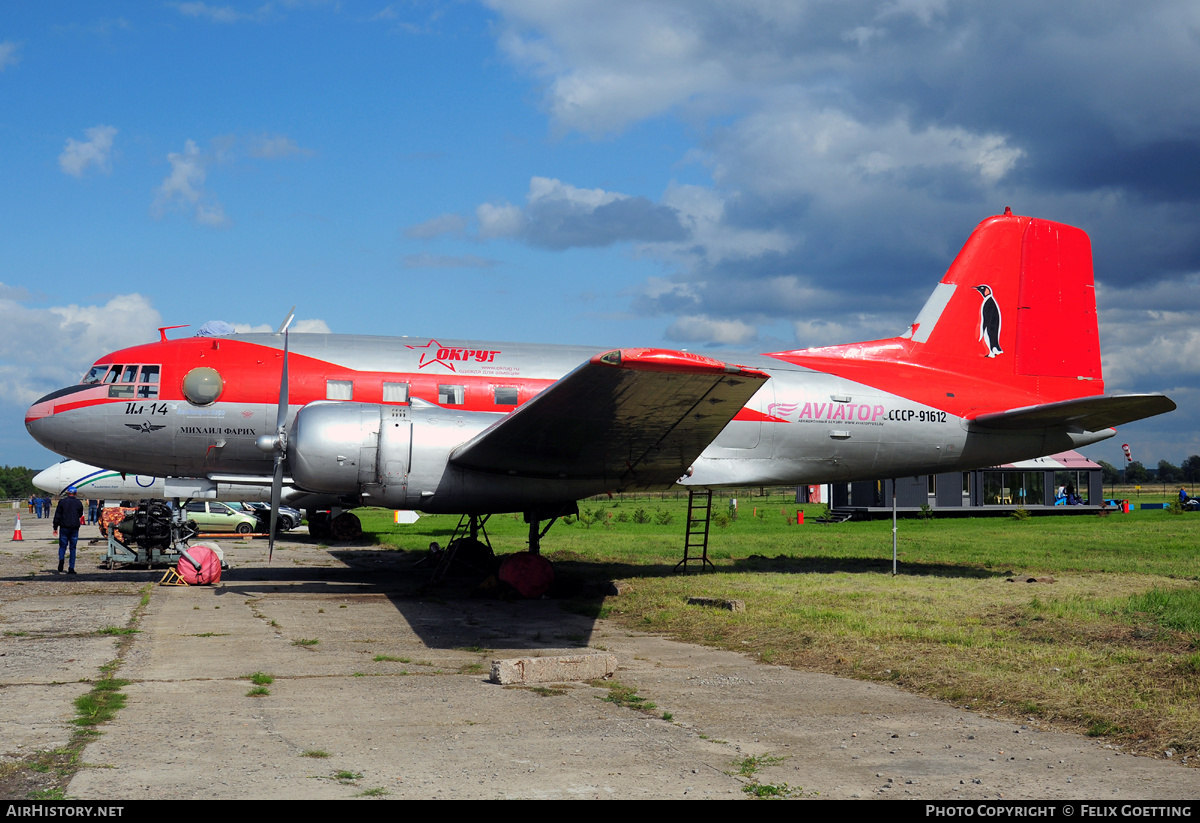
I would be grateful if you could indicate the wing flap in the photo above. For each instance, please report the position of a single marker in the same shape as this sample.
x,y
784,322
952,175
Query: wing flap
x,y
1085,413
635,417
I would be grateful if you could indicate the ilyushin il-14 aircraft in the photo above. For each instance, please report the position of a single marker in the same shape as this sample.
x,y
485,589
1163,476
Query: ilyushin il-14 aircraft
x,y
1001,364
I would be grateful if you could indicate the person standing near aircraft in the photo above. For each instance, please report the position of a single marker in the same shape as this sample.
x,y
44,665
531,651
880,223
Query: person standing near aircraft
x,y
93,509
67,517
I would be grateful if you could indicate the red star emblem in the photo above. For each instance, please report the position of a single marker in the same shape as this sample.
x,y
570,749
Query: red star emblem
x,y
428,356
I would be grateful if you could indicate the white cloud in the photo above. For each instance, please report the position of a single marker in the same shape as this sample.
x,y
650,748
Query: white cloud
x,y
499,221
183,188
80,334
792,147
220,14
558,215
849,328
711,237
272,147
93,152
310,326
8,54
704,329
437,226
1143,348
609,64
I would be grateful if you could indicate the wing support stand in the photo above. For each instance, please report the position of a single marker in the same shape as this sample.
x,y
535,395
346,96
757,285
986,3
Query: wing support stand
x,y
894,571
696,537
466,547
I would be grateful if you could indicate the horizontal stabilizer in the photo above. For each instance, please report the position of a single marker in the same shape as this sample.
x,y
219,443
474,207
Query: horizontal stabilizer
x,y
635,417
1084,413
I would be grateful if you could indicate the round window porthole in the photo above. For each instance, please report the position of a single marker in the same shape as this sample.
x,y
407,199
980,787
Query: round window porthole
x,y
202,386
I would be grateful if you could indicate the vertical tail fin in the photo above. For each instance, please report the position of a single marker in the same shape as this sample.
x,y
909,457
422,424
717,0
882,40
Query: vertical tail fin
x,y
1021,293
1013,321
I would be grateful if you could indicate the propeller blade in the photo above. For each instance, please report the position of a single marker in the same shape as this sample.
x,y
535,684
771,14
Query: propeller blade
x,y
276,493
280,444
287,321
281,410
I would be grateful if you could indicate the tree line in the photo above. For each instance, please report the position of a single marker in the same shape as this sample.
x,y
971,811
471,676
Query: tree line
x,y
17,481
1167,472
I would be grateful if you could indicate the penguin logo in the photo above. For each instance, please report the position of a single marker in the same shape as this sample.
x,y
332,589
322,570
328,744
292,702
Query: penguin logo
x,y
989,321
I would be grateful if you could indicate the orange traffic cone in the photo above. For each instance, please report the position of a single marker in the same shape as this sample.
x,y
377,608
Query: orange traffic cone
x,y
17,532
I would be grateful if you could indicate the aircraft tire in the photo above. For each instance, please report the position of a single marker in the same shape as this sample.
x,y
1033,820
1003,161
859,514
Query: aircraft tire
x,y
346,526
318,525
474,555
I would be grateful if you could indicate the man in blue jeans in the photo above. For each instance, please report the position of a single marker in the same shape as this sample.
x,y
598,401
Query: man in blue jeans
x,y
66,523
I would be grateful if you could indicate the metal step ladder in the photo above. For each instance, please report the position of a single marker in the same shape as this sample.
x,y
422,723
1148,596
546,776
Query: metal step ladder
x,y
695,541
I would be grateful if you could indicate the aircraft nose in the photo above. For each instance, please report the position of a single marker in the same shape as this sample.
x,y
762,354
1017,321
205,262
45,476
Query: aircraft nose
x,y
47,480
47,423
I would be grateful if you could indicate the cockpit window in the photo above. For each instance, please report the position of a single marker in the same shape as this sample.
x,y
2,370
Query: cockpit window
x,y
95,374
126,381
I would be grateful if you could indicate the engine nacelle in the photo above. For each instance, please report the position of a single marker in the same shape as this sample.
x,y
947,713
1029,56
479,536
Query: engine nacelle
x,y
392,456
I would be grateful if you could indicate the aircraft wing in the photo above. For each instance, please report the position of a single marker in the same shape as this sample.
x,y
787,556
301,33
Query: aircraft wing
x,y
637,417
1086,413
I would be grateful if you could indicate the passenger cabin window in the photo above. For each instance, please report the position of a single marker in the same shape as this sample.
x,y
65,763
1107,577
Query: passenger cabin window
x,y
339,389
395,392
505,395
452,395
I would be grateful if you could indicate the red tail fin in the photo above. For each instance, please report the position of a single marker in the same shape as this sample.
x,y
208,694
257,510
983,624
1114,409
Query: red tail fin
x,y
1030,282
1012,323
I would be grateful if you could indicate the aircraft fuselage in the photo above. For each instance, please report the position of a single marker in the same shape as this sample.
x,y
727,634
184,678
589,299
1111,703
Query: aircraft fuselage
x,y
802,426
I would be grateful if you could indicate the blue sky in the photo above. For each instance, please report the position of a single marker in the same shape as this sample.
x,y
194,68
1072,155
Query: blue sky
x,y
751,175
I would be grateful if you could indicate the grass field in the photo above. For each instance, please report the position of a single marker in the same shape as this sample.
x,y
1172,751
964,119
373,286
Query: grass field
x,y
1107,642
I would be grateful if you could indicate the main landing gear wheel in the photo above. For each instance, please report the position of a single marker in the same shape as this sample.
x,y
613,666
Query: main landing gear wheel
x,y
318,525
346,526
474,554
